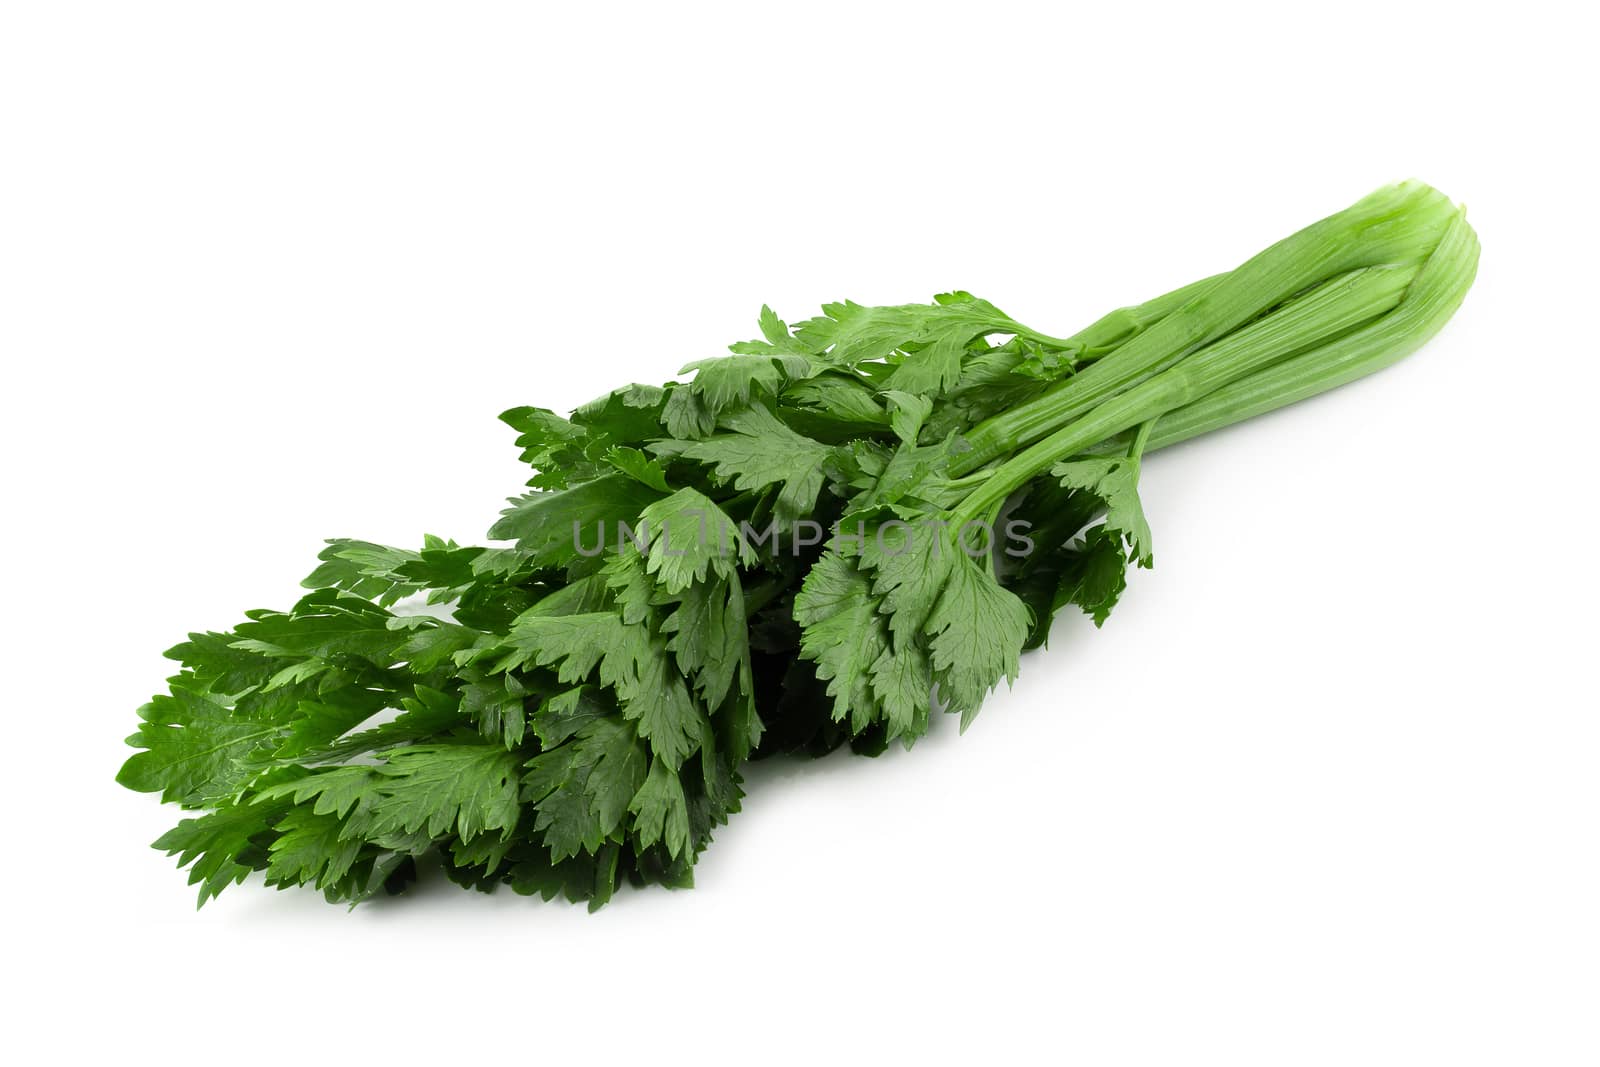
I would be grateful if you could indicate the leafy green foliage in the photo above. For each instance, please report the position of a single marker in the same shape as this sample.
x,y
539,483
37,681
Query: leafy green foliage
x,y
581,714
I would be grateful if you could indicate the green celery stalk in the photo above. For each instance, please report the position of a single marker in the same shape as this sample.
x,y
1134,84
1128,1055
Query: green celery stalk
x,y
1117,327
1438,291
1398,224
1345,303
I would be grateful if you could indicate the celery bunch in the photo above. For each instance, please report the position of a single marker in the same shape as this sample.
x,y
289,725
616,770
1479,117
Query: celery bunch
x,y
819,539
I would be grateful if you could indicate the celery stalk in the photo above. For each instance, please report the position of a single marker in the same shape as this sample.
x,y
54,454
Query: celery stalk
x,y
1353,301
1439,288
1397,224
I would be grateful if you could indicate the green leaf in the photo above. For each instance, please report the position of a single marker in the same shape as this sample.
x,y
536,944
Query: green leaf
x,y
660,810
582,788
334,791
723,382
561,716
1095,575
626,416
1115,482
843,634
217,665
498,704
844,401
686,415
310,848
930,337
975,636
707,636
908,564
660,706
431,644
575,645
907,413
629,659
193,748
315,723
468,788
638,466
547,526
364,569
224,845
760,452
902,681
327,624
773,328
551,445
421,720
689,536
777,339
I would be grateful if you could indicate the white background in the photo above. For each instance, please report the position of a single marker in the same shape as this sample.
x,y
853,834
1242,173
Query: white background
x,y
1325,788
